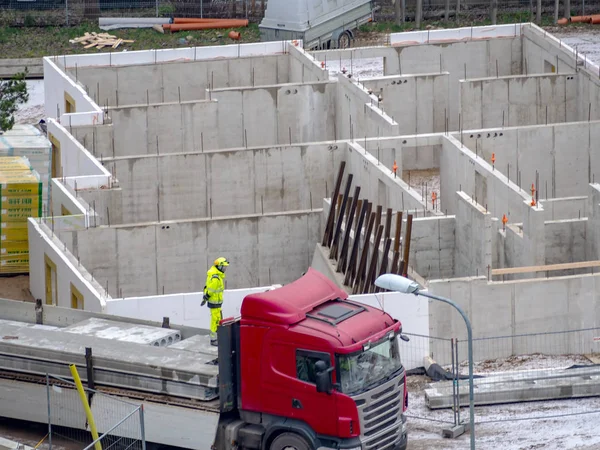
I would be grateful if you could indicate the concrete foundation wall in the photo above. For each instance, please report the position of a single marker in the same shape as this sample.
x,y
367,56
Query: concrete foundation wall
x,y
514,308
358,115
544,53
47,253
462,170
378,183
473,254
233,118
418,103
225,183
518,101
281,114
414,152
565,241
59,87
303,67
564,155
592,232
462,60
173,257
565,208
180,80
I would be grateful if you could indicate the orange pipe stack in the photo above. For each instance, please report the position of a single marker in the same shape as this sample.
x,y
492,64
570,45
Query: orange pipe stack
x,y
593,19
183,24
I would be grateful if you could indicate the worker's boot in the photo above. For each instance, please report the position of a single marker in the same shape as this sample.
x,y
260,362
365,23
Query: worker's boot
x,y
214,343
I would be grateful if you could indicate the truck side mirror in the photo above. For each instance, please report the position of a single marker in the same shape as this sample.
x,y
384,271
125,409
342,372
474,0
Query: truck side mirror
x,y
323,377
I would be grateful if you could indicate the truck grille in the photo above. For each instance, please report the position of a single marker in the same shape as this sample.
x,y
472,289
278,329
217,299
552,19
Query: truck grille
x,y
380,414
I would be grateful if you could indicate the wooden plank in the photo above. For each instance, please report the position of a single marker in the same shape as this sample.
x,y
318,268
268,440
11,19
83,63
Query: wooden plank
x,y
547,268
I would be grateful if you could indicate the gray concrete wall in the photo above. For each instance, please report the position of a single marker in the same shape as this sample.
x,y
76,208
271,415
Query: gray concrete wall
x,y
565,241
513,308
461,170
418,103
462,60
233,118
378,183
564,155
518,101
225,183
565,208
97,139
414,152
473,254
592,231
291,113
185,80
174,256
304,68
357,113
543,55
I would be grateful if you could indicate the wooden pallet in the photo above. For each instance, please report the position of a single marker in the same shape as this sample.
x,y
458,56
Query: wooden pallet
x,y
99,40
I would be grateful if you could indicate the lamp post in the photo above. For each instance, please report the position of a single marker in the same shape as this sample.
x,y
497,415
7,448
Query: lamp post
x,y
398,283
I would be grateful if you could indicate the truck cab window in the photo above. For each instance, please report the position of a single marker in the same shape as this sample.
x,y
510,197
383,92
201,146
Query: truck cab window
x,y
305,364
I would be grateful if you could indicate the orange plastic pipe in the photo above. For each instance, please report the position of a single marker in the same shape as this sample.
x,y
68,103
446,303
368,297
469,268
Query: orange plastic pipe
x,y
205,26
235,35
596,19
581,19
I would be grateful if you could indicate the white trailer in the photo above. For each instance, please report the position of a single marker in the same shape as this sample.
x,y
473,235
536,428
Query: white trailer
x,y
320,24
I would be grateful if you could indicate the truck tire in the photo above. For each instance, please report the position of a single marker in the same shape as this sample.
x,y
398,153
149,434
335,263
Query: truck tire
x,y
345,40
289,441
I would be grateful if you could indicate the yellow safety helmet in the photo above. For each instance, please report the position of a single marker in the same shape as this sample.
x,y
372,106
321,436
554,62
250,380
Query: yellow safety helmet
x,y
221,262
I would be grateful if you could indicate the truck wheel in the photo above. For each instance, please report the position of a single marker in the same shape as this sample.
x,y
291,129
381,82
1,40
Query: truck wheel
x,y
289,441
344,40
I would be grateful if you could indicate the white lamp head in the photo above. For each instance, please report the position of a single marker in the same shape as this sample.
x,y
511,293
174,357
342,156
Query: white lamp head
x,y
397,283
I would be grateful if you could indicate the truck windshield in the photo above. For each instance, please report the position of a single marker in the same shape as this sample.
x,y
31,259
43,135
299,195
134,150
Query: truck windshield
x,y
359,371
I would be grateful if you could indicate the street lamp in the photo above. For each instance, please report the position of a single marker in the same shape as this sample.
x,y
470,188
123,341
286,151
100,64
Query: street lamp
x,y
398,283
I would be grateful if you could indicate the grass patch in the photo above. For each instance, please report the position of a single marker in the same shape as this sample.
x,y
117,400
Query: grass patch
x,y
502,18
25,42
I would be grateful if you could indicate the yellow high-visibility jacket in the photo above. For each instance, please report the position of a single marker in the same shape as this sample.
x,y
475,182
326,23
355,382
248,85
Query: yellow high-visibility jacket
x,y
215,284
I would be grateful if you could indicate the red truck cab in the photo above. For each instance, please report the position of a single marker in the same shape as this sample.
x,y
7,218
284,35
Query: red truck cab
x,y
315,370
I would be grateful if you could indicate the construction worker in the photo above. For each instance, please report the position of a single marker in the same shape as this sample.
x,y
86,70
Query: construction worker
x,y
213,295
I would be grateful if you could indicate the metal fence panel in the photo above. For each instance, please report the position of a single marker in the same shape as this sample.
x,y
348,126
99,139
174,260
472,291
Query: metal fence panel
x,y
73,12
119,423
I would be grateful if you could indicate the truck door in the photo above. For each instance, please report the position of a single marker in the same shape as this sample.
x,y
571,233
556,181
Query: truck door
x,y
288,388
315,408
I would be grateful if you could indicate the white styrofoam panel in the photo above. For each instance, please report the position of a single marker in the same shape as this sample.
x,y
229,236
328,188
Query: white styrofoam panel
x,y
490,31
67,273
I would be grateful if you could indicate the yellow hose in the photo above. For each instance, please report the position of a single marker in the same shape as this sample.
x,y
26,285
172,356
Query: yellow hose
x,y
86,406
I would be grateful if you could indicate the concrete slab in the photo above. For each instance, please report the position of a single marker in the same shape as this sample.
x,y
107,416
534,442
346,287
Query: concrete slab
x,y
127,332
197,344
519,387
160,370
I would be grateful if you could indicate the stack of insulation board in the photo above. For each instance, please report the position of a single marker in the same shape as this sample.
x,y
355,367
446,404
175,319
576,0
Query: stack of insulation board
x,y
20,198
28,140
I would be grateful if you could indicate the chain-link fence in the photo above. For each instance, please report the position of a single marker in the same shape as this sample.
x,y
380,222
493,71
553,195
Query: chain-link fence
x,y
550,376
73,12
119,424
